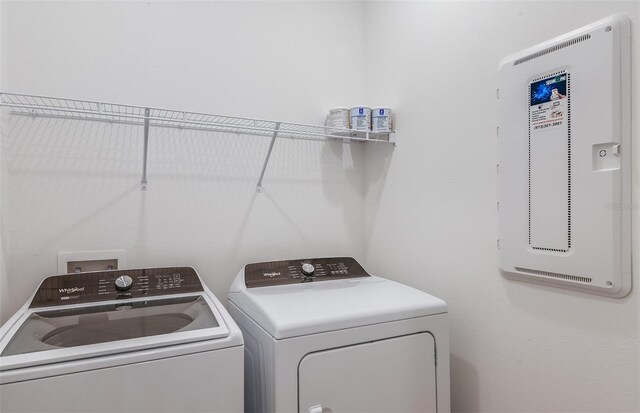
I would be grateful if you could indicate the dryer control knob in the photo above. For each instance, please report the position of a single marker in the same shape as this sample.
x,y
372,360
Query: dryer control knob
x,y
123,283
308,269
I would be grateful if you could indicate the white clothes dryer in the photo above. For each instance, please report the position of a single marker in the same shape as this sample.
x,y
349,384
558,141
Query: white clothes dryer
x,y
145,340
324,336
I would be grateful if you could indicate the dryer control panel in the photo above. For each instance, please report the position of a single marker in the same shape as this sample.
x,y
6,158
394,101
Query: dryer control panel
x,y
112,285
265,274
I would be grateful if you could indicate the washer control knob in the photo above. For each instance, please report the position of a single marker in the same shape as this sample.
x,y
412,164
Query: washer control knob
x,y
308,269
123,283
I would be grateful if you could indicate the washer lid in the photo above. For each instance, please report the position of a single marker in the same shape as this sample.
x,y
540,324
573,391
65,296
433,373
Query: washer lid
x,y
63,333
308,308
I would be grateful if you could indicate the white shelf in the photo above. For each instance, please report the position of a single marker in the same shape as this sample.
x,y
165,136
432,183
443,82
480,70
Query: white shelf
x,y
54,107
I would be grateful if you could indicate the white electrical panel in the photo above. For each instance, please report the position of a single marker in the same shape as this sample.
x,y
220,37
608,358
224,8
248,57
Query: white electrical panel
x,y
565,160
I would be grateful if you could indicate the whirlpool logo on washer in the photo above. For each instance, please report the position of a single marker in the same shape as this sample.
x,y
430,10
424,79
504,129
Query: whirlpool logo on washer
x,y
270,274
71,290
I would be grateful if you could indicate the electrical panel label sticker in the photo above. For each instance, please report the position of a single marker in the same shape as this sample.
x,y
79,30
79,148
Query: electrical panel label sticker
x,y
548,103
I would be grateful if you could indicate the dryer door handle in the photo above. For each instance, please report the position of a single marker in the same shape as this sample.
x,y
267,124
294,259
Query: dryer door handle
x,y
315,409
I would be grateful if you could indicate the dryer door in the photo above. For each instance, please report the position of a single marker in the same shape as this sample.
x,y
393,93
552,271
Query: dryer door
x,y
391,375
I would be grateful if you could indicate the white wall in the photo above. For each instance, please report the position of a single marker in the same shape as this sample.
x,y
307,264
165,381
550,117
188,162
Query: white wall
x,y
429,204
431,213
74,185
4,290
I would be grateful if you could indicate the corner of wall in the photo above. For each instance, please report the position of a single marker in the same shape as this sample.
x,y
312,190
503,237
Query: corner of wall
x,y
4,287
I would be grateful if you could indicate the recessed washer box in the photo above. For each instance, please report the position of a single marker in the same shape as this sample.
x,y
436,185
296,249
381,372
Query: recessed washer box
x,y
84,261
565,160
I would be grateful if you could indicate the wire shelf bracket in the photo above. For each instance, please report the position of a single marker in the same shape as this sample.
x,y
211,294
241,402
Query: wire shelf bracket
x,y
145,151
259,187
147,117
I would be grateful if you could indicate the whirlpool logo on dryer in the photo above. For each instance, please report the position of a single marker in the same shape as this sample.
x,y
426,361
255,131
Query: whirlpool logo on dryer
x,y
271,274
71,290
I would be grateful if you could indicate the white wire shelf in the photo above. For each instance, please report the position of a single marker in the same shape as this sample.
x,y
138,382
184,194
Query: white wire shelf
x,y
55,107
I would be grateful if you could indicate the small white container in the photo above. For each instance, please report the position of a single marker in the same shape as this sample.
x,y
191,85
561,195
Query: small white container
x,y
381,119
338,118
360,118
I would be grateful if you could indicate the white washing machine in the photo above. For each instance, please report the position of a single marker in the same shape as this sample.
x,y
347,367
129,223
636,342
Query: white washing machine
x,y
146,340
324,336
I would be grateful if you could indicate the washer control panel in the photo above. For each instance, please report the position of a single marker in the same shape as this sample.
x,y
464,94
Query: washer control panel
x,y
265,274
112,285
